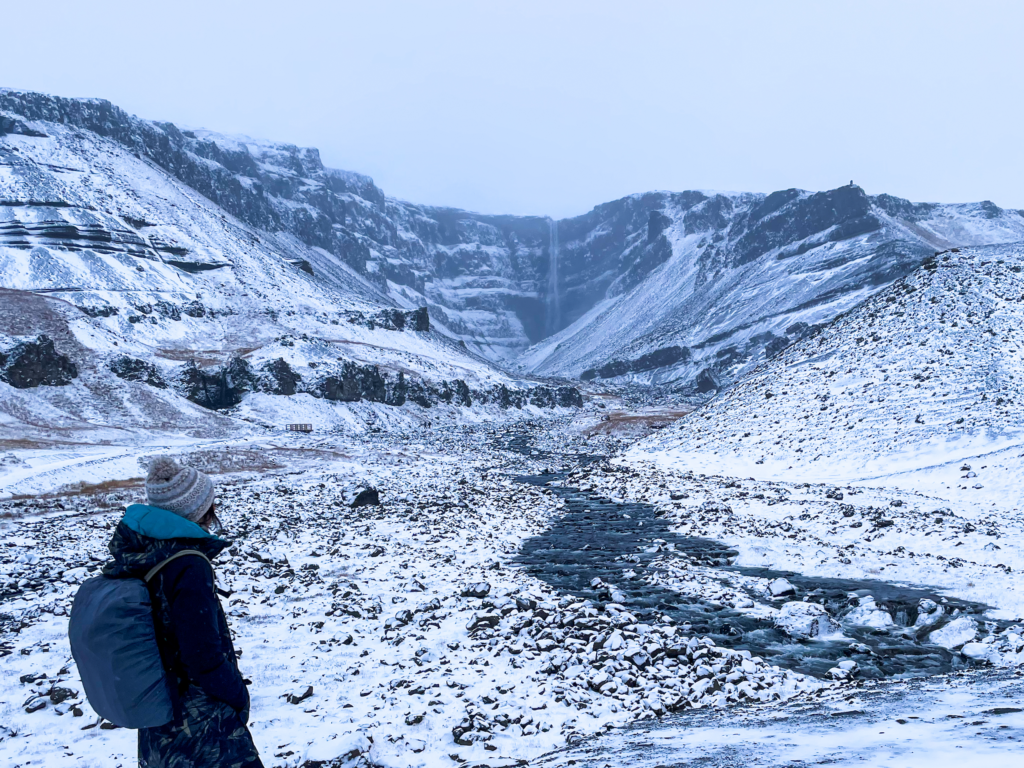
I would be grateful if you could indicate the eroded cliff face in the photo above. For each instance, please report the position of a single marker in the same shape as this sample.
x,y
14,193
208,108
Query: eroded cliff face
x,y
481,276
729,278
130,303
714,284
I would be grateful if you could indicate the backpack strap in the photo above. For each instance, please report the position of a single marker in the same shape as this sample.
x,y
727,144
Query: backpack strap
x,y
156,568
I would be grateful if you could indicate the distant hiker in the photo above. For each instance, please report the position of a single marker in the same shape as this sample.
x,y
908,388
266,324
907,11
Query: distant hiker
x,y
208,698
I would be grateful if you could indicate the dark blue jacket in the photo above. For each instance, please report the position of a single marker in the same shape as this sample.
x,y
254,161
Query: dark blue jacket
x,y
193,635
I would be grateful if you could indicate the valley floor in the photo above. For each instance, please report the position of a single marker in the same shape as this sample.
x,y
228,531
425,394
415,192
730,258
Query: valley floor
x,y
408,634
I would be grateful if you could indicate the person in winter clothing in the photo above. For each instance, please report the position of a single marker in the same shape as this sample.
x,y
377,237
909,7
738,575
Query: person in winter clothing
x,y
211,702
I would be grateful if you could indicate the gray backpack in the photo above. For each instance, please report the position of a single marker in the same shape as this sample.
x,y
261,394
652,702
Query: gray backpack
x,y
113,640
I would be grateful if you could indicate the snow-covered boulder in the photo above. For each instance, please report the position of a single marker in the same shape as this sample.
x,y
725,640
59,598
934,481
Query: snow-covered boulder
x,y
929,613
869,614
981,652
844,670
781,587
807,621
960,630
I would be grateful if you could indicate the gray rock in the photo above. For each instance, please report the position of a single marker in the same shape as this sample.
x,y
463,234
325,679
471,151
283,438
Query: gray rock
x,y
780,588
479,590
368,497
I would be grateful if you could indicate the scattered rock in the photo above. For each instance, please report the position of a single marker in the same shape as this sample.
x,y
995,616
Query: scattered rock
x,y
480,590
299,698
368,497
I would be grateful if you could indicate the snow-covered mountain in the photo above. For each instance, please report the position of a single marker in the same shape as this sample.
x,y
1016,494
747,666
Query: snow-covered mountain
x,y
922,386
478,275
710,285
183,245
691,288
139,303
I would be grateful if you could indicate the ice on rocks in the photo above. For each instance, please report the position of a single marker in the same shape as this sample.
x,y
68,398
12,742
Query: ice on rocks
x,y
981,652
781,588
929,613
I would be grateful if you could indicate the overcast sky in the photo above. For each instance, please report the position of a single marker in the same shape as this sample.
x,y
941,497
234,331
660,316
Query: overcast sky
x,y
553,107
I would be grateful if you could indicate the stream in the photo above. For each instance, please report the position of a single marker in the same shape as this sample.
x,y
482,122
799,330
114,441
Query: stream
x,y
593,534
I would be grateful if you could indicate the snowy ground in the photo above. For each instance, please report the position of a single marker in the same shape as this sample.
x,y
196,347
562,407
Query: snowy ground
x,y
973,719
377,609
397,634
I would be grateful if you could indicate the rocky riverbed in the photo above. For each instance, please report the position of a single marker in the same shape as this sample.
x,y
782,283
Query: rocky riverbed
x,y
629,553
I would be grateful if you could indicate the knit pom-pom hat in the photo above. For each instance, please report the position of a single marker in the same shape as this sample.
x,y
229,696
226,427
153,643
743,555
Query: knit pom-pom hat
x,y
182,490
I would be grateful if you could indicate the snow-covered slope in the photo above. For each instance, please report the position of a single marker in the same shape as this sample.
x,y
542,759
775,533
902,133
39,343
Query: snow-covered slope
x,y
922,386
654,287
132,276
477,274
720,283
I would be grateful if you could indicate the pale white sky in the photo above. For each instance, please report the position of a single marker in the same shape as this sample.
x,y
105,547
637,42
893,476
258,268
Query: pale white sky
x,y
553,107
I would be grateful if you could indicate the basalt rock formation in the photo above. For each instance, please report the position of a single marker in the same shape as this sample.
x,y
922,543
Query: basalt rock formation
x,y
133,369
36,363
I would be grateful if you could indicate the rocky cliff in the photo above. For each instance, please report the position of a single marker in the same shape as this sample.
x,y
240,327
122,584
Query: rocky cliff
x,y
710,285
129,301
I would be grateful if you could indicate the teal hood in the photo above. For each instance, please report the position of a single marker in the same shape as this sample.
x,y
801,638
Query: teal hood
x,y
146,536
157,523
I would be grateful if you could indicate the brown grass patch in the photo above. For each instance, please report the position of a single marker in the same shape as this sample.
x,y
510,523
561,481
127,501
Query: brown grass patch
x,y
201,356
630,422
23,443
223,462
82,488
105,496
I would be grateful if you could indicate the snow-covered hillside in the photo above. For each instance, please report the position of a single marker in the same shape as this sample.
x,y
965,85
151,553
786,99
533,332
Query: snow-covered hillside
x,y
476,274
722,282
653,287
923,379
131,302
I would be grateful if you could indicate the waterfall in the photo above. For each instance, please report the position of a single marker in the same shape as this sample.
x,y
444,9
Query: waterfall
x,y
553,309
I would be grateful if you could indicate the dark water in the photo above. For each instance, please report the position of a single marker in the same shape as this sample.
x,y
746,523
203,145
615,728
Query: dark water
x,y
593,532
